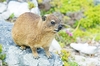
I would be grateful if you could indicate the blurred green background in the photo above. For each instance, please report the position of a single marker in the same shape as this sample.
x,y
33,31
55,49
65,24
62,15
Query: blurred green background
x,y
82,17
82,21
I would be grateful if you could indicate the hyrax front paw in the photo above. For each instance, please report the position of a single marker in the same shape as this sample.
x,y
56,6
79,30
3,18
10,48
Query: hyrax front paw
x,y
48,54
36,56
34,51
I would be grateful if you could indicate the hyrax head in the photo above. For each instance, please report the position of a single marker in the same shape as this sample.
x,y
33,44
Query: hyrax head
x,y
52,22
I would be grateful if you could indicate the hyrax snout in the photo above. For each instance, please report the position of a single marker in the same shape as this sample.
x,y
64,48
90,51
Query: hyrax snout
x,y
33,31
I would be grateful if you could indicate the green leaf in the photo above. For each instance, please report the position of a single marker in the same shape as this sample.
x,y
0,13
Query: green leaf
x,y
0,48
2,56
12,16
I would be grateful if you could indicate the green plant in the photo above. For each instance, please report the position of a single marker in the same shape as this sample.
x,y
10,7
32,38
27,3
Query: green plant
x,y
73,64
2,57
71,5
0,48
91,19
11,16
90,25
65,6
2,0
95,33
79,33
64,56
31,5
65,38
47,12
40,1
88,34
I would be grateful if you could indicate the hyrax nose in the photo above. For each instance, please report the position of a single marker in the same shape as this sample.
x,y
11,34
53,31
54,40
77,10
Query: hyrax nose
x,y
59,27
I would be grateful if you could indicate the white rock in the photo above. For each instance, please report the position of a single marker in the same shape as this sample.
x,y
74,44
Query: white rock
x,y
89,50
5,15
84,48
35,3
20,8
86,61
55,47
35,10
28,57
12,56
2,7
13,7
17,8
0,62
77,46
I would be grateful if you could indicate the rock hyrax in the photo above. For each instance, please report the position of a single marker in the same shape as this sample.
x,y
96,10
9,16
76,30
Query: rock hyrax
x,y
33,31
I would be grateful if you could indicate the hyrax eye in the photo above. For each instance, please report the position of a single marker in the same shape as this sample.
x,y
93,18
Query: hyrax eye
x,y
52,22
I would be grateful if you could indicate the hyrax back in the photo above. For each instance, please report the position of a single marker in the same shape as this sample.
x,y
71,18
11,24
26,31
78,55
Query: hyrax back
x,y
33,31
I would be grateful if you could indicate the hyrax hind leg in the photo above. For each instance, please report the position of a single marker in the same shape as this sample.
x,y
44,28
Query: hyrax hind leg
x,y
47,52
21,45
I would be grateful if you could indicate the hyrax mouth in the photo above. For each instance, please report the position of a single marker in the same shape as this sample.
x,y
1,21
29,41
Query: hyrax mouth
x,y
59,28
56,30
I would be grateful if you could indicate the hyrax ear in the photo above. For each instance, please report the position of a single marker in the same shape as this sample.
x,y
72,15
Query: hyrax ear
x,y
44,17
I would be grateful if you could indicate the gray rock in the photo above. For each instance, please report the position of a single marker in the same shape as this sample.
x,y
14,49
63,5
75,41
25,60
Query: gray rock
x,y
19,8
86,61
0,62
2,7
5,15
45,5
84,48
96,2
18,57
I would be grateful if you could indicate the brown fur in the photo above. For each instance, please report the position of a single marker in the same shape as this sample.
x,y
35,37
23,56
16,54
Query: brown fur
x,y
30,30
